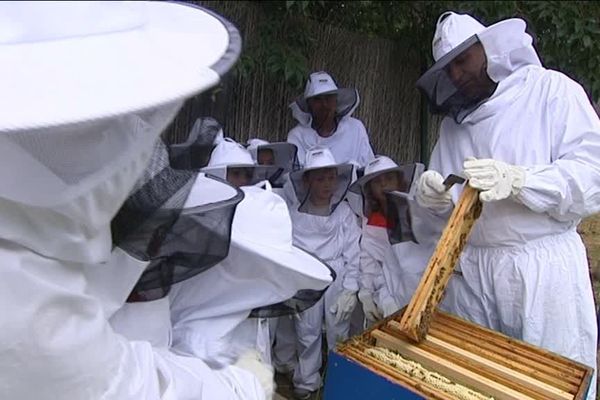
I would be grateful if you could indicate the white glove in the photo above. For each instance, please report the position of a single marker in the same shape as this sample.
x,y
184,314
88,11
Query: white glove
x,y
251,362
389,307
432,194
496,180
372,314
344,305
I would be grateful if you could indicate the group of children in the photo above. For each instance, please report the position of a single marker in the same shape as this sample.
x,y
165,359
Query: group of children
x,y
371,248
355,222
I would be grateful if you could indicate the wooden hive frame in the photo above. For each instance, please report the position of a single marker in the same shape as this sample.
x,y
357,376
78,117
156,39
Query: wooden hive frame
x,y
481,359
416,319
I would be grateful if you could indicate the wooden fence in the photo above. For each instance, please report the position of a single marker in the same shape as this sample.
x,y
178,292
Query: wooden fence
x,y
383,71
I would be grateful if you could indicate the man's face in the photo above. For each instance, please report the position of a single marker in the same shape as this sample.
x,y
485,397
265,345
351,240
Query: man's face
x,y
239,176
323,107
468,73
265,157
321,183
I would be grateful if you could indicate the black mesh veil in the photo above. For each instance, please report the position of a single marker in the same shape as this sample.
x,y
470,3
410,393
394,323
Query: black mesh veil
x,y
398,206
179,221
302,300
195,152
281,154
303,188
406,177
398,215
443,95
259,173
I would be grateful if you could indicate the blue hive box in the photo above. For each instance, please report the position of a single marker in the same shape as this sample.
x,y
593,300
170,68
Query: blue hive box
x,y
481,359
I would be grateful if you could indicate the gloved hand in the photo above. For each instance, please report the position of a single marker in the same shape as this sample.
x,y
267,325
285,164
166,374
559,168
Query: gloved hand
x,y
251,362
432,194
370,309
496,180
389,307
344,306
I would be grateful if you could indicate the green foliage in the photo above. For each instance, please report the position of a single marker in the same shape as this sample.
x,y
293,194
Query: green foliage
x,y
567,32
283,44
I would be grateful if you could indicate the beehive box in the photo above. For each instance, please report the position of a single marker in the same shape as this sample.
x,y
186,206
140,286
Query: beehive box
x,y
485,362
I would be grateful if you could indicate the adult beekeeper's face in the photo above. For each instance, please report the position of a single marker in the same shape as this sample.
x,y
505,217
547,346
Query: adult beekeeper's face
x,y
322,107
468,72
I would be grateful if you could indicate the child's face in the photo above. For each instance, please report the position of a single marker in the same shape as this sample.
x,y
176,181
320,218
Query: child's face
x,y
239,176
321,183
386,182
265,157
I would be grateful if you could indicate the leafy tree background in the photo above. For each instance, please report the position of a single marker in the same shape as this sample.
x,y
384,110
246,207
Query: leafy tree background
x,y
566,33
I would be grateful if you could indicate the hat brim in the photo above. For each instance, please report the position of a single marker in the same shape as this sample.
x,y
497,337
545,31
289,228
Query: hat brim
x,y
357,187
341,169
446,59
325,93
294,267
179,51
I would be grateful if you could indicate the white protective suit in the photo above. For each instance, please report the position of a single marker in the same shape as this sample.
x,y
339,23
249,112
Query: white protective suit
x,y
391,272
210,311
524,270
67,168
334,239
349,142
151,320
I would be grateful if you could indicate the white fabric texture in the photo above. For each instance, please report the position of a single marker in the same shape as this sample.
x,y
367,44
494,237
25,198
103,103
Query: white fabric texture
x,y
73,163
403,267
82,213
145,321
101,283
334,239
262,268
524,267
331,238
319,83
373,246
251,361
495,179
392,272
101,58
432,194
451,30
389,307
82,358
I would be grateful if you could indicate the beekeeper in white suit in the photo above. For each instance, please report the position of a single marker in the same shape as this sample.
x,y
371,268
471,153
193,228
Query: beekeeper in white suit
x,y
528,139
324,225
68,166
324,115
382,281
232,162
146,314
263,269
198,211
